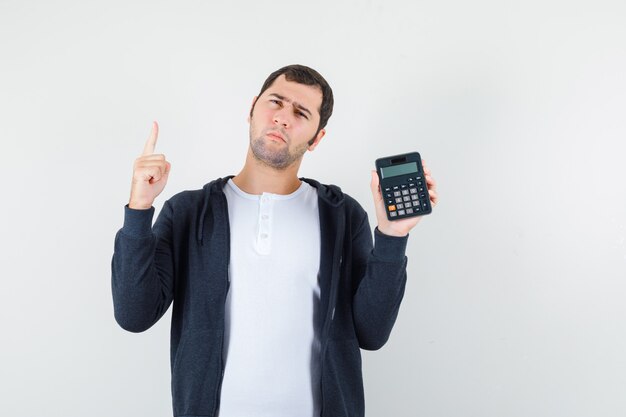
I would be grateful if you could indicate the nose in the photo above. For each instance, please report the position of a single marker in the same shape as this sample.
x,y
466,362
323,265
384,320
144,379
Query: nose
x,y
281,117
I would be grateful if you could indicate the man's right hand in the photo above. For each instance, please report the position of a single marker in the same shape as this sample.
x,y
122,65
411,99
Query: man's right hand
x,y
150,173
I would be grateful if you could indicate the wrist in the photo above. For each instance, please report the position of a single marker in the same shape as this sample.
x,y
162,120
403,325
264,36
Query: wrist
x,y
390,248
391,232
138,206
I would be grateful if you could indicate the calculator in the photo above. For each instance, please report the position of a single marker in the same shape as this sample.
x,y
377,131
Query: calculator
x,y
403,186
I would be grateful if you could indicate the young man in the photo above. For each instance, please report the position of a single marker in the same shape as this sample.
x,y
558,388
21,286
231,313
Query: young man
x,y
275,281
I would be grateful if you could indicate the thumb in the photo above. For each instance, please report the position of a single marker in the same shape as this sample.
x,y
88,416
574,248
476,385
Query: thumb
x,y
374,185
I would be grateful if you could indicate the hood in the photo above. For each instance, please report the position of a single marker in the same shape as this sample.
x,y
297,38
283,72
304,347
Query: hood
x,y
327,193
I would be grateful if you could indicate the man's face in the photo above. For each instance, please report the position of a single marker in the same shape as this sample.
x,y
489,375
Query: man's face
x,y
284,119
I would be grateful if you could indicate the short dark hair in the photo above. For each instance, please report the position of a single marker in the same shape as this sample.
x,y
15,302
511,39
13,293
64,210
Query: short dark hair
x,y
308,76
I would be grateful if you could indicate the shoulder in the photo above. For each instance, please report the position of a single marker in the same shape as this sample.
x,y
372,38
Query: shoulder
x,y
355,214
186,199
197,198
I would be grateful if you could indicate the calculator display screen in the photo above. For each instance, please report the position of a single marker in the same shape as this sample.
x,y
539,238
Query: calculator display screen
x,y
401,169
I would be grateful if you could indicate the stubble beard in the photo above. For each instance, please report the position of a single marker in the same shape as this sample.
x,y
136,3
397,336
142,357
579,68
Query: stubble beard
x,y
277,157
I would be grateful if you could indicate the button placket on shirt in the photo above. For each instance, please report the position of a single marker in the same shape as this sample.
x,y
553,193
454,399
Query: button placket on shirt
x,y
264,235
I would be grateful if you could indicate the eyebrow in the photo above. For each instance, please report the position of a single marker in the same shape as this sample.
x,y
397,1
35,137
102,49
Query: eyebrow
x,y
299,106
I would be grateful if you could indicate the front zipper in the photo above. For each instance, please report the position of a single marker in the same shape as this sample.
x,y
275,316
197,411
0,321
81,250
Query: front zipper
x,y
218,391
332,300
219,386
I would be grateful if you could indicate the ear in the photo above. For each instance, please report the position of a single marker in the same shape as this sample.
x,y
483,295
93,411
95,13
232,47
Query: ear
x,y
251,107
317,140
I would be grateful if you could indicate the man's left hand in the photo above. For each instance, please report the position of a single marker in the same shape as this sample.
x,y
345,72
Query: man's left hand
x,y
403,226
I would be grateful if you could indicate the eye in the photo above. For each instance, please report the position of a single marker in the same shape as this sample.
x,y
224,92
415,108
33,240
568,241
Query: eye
x,y
275,101
299,113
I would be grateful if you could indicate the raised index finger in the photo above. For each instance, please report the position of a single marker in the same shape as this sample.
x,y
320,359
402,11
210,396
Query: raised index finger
x,y
148,148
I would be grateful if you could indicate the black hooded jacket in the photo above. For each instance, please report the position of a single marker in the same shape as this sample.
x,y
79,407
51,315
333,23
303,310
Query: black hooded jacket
x,y
184,259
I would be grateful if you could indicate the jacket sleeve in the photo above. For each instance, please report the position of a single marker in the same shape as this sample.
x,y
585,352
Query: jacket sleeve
x,y
380,273
142,271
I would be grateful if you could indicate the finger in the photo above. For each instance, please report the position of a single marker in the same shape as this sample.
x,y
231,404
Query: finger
x,y
151,174
434,196
431,182
150,158
168,166
153,157
160,164
374,185
148,148
141,170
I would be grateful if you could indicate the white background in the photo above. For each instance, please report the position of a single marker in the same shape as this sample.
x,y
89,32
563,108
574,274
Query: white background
x,y
515,300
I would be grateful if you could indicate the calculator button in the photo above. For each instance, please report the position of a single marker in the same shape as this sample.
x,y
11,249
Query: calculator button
x,y
400,212
391,207
397,193
411,185
422,195
403,186
388,195
413,190
417,209
421,189
393,213
416,204
390,201
413,196
410,179
418,178
399,205
395,187
406,198
420,183
405,192
399,200
387,189
423,204
409,211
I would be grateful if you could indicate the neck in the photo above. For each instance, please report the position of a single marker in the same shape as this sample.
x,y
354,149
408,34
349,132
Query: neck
x,y
257,177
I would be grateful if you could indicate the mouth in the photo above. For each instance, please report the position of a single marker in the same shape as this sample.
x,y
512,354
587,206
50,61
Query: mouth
x,y
276,136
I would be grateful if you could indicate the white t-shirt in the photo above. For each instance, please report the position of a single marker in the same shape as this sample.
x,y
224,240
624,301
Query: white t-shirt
x,y
271,341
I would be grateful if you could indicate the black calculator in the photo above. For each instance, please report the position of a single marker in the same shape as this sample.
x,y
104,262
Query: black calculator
x,y
403,186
